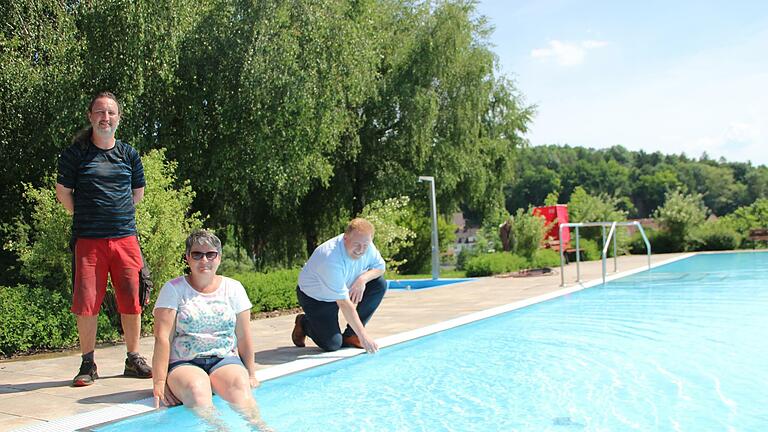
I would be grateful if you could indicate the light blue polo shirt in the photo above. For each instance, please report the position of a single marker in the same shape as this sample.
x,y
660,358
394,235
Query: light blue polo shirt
x,y
330,271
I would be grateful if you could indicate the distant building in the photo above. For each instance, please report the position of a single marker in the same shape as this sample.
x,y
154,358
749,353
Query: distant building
x,y
465,236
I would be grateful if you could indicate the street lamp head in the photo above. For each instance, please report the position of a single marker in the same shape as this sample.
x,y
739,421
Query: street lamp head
x,y
426,178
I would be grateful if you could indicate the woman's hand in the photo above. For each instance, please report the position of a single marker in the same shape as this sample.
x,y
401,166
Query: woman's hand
x,y
164,394
254,381
158,390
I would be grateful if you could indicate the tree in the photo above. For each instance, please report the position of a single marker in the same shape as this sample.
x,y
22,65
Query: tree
x,y
532,187
132,47
748,217
584,207
54,56
680,213
597,176
439,110
261,113
757,183
39,53
287,118
650,189
716,184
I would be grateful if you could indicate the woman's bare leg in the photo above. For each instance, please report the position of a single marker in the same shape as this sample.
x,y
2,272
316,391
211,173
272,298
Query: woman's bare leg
x,y
192,386
232,384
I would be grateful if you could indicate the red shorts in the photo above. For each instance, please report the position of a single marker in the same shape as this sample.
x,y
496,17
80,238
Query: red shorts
x,y
94,259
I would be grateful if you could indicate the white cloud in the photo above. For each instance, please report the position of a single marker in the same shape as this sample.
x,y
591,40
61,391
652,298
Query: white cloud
x,y
567,53
713,100
739,141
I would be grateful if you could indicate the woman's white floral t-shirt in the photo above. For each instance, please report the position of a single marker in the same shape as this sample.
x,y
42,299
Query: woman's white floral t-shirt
x,y
205,323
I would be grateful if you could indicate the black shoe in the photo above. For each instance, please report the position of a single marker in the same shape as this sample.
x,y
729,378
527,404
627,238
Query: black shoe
x,y
86,375
136,366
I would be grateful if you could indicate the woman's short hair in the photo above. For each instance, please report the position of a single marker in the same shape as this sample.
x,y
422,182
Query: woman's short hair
x,y
360,225
203,238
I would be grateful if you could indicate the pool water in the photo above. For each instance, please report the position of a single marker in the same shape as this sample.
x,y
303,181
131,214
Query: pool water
x,y
415,284
682,347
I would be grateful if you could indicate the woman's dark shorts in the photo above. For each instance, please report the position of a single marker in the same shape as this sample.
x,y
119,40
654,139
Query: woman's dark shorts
x,y
208,364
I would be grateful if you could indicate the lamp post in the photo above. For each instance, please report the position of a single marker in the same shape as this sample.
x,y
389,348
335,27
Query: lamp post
x,y
435,247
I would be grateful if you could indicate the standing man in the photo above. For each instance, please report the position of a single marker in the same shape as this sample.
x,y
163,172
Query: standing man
x,y
343,273
100,181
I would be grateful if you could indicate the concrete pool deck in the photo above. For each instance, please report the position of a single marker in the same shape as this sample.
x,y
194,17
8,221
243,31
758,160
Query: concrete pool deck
x,y
37,390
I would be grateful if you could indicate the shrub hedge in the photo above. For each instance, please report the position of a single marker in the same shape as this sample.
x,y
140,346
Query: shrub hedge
x,y
270,291
505,262
712,236
494,263
545,258
661,242
34,319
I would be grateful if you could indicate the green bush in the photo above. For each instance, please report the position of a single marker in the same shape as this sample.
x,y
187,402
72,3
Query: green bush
x,y
271,291
390,217
637,244
590,250
33,318
713,236
527,233
42,243
748,217
545,258
494,263
465,255
163,219
661,242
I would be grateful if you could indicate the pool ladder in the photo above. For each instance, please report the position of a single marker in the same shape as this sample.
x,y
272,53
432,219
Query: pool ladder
x,y
606,243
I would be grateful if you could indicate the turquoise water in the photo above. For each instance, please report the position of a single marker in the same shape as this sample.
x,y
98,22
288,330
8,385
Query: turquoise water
x,y
682,347
423,283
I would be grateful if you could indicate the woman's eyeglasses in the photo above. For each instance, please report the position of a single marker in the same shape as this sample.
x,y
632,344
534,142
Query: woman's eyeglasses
x,y
197,256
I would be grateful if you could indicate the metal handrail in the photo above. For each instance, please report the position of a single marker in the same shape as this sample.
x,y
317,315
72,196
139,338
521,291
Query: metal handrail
x,y
613,226
607,243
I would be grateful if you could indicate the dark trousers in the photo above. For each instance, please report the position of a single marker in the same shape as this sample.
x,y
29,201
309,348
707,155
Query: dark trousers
x,y
321,319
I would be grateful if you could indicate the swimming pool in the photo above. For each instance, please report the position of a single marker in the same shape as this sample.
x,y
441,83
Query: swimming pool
x,y
679,348
415,284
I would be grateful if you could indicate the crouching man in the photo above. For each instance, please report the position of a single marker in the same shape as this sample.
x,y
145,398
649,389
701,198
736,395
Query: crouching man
x,y
346,272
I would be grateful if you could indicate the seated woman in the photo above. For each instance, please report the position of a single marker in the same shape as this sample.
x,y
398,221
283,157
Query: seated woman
x,y
203,338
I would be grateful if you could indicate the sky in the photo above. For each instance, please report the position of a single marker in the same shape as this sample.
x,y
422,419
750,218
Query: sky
x,y
676,76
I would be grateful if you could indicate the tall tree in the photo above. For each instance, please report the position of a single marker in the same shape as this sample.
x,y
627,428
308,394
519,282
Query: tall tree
x,y
39,54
